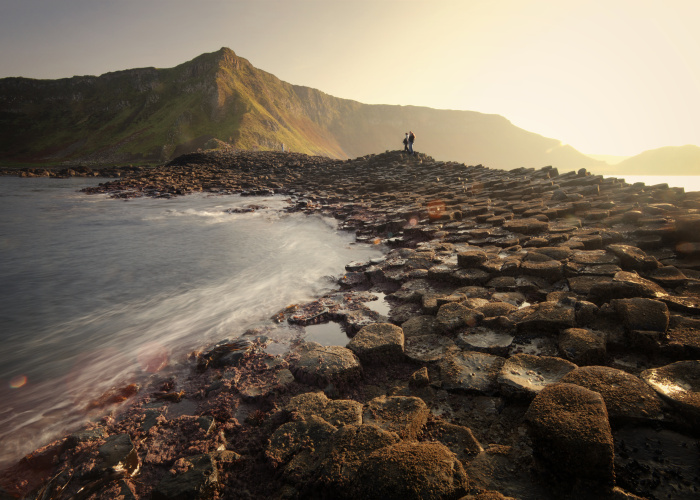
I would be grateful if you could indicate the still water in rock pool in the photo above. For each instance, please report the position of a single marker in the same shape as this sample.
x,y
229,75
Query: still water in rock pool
x,y
96,293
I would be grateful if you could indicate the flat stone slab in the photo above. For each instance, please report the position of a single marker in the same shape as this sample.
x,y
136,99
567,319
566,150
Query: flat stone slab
x,y
627,398
427,348
466,371
625,285
336,412
571,432
524,375
404,415
485,340
379,343
320,365
679,383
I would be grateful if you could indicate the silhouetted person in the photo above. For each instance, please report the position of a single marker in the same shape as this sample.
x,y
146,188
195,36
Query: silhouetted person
x,y
405,142
411,139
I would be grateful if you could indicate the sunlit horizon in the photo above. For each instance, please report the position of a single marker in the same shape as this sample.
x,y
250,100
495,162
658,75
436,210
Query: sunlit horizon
x,y
612,78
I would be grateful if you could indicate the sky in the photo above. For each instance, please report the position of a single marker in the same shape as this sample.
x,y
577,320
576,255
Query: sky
x,y
614,77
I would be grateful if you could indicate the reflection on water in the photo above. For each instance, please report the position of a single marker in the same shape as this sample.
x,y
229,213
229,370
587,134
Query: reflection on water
x,y
98,293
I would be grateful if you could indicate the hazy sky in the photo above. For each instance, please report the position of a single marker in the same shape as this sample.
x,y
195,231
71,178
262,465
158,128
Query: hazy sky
x,y
606,76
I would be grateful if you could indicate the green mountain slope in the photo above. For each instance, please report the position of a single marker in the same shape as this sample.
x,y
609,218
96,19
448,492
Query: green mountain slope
x,y
154,115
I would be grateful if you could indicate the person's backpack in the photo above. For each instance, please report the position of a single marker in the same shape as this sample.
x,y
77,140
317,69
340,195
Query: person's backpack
x,y
412,137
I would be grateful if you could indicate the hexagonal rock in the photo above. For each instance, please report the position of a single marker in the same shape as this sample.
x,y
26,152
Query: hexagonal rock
x,y
625,285
688,228
522,376
316,364
380,343
471,258
411,471
427,348
526,226
404,415
679,383
633,259
470,372
459,439
544,317
551,270
337,412
571,432
642,314
497,308
294,437
199,482
627,398
453,315
582,346
598,257
420,325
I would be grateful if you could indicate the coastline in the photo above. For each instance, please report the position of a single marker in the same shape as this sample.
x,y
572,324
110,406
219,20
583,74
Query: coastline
x,y
516,297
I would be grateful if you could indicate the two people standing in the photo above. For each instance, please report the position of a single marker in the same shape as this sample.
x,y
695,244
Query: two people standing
x,y
408,142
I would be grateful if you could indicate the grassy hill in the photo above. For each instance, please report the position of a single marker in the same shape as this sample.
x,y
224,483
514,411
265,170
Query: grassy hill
x,y
670,160
153,115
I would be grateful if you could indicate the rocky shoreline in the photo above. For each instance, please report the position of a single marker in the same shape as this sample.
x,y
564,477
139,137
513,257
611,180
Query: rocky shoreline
x,y
540,340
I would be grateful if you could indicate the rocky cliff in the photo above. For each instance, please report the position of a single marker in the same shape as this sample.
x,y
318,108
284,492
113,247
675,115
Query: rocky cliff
x,y
221,100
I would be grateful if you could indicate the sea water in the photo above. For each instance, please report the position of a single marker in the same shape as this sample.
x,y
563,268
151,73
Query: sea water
x,y
96,293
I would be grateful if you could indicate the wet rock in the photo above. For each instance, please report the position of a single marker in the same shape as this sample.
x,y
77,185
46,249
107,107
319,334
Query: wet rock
x,y
470,372
199,481
627,398
642,314
119,454
380,343
335,412
551,270
408,471
471,258
322,365
582,346
678,383
420,325
625,285
427,348
656,463
453,315
404,415
571,433
683,338
668,277
522,376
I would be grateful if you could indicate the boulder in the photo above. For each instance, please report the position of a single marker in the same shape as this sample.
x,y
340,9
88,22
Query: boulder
x,y
470,372
380,343
582,346
524,375
627,398
411,471
403,415
321,365
678,383
119,453
571,432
